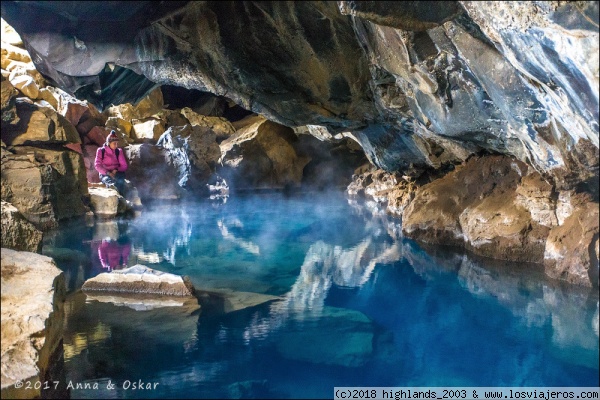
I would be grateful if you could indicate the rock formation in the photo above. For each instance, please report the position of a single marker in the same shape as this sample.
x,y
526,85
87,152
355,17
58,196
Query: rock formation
x,y
141,280
17,232
33,291
423,88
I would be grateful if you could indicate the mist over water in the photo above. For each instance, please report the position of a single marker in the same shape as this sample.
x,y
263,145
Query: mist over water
x,y
303,293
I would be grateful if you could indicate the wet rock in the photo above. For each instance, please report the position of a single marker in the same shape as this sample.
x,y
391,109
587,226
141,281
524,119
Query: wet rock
x,y
226,300
139,279
474,207
570,252
261,156
17,232
45,185
143,302
340,337
33,291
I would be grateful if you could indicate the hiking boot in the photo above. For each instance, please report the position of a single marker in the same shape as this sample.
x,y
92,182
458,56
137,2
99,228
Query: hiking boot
x,y
111,186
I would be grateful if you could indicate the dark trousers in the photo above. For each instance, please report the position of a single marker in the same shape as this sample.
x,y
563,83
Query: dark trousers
x,y
118,181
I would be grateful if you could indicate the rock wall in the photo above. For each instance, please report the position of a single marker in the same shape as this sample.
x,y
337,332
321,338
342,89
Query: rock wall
x,y
33,291
497,207
422,87
418,85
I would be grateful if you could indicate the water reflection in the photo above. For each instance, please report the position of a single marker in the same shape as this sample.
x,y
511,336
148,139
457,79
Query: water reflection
x,y
350,301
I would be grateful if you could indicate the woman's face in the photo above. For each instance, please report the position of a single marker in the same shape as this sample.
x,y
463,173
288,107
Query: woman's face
x,y
113,145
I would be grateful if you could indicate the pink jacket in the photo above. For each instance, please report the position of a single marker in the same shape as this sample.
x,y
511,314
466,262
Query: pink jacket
x,y
110,162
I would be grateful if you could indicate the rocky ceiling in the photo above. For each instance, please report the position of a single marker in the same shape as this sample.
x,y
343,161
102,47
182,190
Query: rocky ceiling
x,y
417,84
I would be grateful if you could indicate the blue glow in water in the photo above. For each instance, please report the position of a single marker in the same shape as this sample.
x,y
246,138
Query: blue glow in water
x,y
302,294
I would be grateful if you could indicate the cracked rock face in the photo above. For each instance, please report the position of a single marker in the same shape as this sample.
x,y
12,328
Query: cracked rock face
x,y
417,84
33,291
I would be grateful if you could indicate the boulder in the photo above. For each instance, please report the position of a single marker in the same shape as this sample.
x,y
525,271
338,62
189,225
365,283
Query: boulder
x,y
172,118
220,126
97,135
194,152
104,202
571,251
9,110
26,85
45,185
89,159
261,156
124,111
15,53
17,232
18,68
497,227
33,291
48,96
148,130
151,171
39,124
120,125
139,279
151,104
9,35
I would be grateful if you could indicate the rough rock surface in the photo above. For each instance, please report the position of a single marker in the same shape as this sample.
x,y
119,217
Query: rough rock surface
x,y
17,232
474,206
104,202
571,251
417,84
139,279
194,152
45,185
152,172
33,291
261,155
39,124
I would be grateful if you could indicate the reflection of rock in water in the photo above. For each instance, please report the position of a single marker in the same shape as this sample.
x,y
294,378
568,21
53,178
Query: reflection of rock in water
x,y
96,331
538,303
325,265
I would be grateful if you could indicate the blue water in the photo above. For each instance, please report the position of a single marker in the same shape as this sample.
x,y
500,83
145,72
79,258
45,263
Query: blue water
x,y
333,296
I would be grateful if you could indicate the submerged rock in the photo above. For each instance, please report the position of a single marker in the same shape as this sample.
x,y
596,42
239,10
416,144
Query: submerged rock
x,y
339,337
139,279
33,291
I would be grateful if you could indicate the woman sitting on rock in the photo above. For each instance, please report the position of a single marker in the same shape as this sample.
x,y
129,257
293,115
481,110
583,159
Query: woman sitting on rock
x,y
111,164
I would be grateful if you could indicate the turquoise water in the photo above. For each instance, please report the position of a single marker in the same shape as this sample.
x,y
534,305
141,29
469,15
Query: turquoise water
x,y
301,294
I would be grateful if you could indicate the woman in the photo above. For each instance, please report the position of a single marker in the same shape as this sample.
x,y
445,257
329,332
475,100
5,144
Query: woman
x,y
111,164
